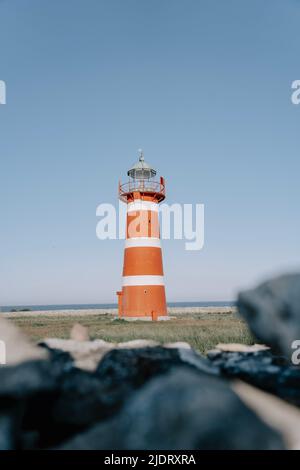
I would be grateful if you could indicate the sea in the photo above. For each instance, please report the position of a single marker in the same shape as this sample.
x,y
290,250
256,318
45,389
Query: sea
x,y
11,308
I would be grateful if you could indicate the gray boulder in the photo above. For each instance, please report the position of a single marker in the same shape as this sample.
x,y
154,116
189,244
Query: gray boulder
x,y
272,311
183,409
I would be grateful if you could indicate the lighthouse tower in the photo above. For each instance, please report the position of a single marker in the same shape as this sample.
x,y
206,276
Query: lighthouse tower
x,y
143,292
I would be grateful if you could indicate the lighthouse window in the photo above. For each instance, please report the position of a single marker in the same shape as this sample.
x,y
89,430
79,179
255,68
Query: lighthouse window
x,y
145,292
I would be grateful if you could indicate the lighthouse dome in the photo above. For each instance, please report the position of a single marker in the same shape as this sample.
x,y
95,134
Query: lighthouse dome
x,y
141,169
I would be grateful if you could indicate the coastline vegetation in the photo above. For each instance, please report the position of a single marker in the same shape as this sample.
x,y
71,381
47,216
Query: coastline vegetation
x,y
202,331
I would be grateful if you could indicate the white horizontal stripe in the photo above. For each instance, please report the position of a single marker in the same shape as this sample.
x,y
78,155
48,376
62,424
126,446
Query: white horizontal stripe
x,y
139,205
143,281
142,241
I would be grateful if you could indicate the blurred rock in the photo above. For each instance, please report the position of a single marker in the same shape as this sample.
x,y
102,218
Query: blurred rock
x,y
178,345
10,419
278,414
86,354
192,358
27,386
85,398
79,333
21,376
262,369
82,398
237,347
18,348
272,311
182,410
123,368
137,343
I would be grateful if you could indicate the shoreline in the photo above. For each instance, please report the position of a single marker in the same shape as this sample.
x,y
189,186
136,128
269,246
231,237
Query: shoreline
x,y
113,311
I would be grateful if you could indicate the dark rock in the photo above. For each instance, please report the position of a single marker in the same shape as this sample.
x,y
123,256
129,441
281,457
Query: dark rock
x,y
136,366
11,414
76,403
82,398
85,398
272,311
30,391
26,379
181,410
44,403
202,364
58,356
122,371
32,381
261,369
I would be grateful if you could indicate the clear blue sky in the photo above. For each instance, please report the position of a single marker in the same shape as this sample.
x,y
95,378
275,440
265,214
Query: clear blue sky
x,y
203,86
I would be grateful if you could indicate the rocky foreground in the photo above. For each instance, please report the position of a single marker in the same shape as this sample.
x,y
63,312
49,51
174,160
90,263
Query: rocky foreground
x,y
82,394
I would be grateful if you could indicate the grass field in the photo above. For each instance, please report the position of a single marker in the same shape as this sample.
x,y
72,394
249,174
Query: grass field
x,y
202,331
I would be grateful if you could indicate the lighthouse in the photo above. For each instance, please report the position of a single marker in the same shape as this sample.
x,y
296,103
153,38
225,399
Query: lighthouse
x,y
143,291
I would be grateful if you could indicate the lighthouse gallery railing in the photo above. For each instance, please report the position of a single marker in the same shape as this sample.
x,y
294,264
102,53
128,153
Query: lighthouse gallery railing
x,y
157,187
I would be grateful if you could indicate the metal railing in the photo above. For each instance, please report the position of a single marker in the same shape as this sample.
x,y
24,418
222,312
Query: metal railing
x,y
157,187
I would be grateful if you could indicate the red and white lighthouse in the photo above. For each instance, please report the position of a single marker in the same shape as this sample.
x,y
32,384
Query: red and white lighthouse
x,y
143,290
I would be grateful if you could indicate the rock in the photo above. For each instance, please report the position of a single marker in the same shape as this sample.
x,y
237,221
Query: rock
x,y
58,356
24,387
261,369
181,410
18,348
21,376
137,343
24,380
10,418
123,368
272,311
237,347
82,398
79,402
57,400
86,398
278,414
86,354
79,333
177,345
190,357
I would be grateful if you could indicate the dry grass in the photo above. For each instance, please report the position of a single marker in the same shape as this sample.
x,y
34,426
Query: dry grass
x,y
201,331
